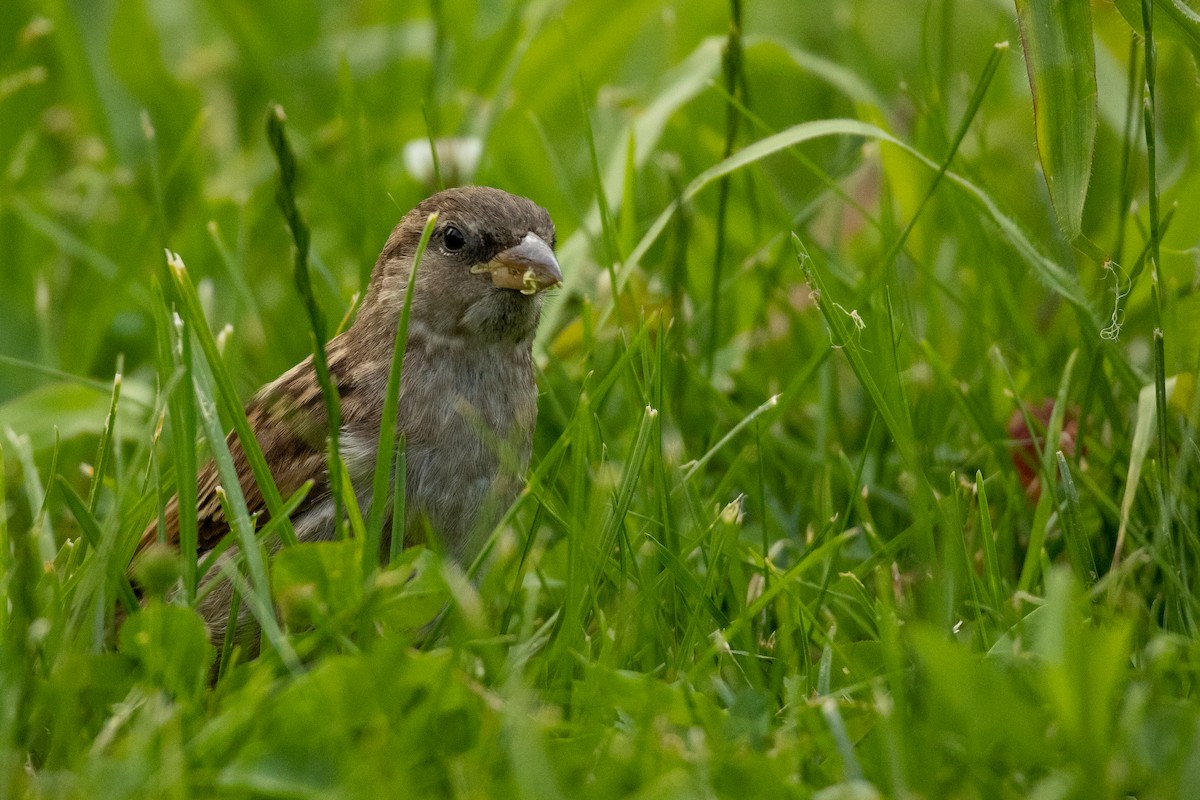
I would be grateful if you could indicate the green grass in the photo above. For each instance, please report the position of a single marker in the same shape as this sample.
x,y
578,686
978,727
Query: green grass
x,y
825,266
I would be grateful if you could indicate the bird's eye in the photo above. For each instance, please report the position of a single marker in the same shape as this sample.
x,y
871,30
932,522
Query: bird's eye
x,y
453,238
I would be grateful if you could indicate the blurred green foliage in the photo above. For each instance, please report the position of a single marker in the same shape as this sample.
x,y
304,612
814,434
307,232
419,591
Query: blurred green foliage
x,y
832,558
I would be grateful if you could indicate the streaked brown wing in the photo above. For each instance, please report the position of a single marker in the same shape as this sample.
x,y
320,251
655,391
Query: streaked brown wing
x,y
290,428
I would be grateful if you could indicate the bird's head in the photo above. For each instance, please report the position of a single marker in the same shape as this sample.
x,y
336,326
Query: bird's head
x,y
490,257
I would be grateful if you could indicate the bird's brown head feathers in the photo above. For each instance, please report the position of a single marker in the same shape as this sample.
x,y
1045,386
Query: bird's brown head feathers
x,y
490,255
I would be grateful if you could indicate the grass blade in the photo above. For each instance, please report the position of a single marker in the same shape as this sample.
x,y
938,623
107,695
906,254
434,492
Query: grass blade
x,y
1078,549
106,437
286,198
225,393
1060,61
42,532
1156,285
1177,20
1061,281
387,430
735,84
102,545
695,466
238,516
608,227
183,439
400,503
899,426
991,563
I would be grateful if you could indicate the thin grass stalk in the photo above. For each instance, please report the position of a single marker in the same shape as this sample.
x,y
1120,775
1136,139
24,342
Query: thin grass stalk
x,y
627,217
851,769
733,64
183,437
1125,188
285,197
826,180
609,227
101,545
1188,542
575,589
692,468
16,612
659,399
106,437
812,557
42,521
900,427
438,180
894,351
991,562
1148,115
895,655
964,125
386,447
175,381
963,555
1035,552
41,532
6,565
263,534
227,642
156,183
350,109
400,503
354,518
167,378
615,524
588,397
233,502
1060,281
438,67
226,394
1078,549
518,583
234,270
52,372
523,27
761,485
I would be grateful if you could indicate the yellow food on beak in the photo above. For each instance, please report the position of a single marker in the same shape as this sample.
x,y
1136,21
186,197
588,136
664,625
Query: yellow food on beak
x,y
529,266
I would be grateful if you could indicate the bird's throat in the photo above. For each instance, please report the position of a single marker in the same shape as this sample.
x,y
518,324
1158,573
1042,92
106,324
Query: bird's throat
x,y
503,315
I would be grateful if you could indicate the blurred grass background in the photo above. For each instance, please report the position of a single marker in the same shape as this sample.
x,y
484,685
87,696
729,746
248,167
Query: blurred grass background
x,y
820,567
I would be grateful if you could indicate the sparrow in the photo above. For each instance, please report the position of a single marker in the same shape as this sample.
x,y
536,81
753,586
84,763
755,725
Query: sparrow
x,y
468,400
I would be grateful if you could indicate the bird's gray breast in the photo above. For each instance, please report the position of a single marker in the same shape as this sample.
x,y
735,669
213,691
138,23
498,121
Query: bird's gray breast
x,y
467,412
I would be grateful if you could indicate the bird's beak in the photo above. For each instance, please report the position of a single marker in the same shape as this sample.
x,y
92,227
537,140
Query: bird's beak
x,y
529,266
